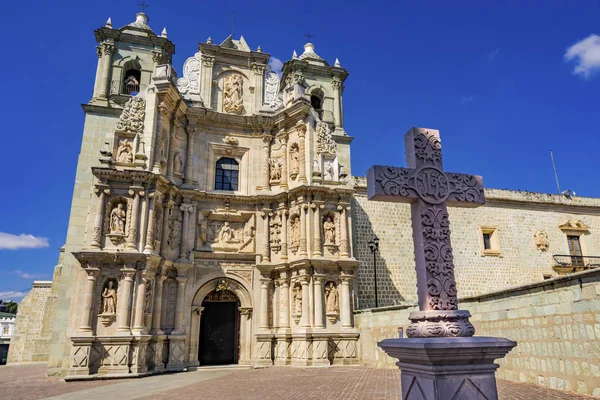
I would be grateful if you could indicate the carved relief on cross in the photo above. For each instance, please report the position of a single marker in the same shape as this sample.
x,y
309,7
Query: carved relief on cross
x,y
429,189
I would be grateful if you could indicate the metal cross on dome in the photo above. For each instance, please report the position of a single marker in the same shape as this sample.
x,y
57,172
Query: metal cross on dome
x,y
143,5
309,36
429,189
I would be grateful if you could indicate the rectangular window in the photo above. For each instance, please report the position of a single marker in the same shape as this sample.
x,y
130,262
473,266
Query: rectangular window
x,y
575,251
487,241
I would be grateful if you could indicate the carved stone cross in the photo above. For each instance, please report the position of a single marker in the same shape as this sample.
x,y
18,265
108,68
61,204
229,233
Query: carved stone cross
x,y
429,189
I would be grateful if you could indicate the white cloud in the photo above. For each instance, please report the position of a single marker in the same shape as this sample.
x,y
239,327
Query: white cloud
x,y
276,64
11,295
26,275
466,100
586,54
8,241
493,54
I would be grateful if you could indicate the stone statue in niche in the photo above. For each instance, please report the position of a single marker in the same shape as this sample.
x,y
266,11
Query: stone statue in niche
x,y
541,240
124,152
275,166
297,301
233,95
276,234
329,230
174,233
226,234
332,301
117,220
109,298
295,234
178,164
294,160
329,171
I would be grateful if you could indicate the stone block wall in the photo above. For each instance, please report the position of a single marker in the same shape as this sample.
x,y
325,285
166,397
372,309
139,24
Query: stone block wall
x,y
555,322
30,340
515,215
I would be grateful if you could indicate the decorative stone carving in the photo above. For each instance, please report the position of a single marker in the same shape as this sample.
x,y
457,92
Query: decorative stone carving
x,y
231,236
426,185
297,303
273,98
294,233
132,117
275,166
174,232
117,220
329,230
332,301
316,168
222,285
231,141
109,301
189,84
541,240
325,143
329,168
125,152
275,234
294,160
178,164
148,298
574,225
233,94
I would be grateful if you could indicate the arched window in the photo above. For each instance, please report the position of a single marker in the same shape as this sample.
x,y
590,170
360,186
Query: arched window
x,y
131,78
227,174
316,99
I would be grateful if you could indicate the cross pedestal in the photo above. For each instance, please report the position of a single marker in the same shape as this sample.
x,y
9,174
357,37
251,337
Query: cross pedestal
x,y
440,359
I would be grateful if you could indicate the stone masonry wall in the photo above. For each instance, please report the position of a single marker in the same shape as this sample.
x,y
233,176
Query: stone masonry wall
x,y
556,324
516,215
33,324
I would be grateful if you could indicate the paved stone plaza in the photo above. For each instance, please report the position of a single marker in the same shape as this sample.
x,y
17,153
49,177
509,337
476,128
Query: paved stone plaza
x,y
29,382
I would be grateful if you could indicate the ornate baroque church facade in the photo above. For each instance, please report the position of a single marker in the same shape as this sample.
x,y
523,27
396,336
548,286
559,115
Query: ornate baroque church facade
x,y
215,220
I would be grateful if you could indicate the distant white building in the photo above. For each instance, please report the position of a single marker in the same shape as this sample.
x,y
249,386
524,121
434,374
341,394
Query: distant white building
x,y
7,328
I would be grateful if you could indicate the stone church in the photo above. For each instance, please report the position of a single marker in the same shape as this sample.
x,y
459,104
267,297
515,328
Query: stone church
x,y
215,220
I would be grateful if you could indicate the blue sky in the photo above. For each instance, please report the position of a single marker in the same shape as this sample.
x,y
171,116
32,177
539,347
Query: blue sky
x,y
496,78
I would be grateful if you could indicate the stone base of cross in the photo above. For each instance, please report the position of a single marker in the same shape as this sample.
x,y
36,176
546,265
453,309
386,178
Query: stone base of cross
x,y
440,359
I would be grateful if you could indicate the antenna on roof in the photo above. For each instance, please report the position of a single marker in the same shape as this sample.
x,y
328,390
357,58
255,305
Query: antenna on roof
x,y
233,25
555,174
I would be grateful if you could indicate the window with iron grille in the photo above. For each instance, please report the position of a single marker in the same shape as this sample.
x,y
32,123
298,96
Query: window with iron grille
x,y
227,174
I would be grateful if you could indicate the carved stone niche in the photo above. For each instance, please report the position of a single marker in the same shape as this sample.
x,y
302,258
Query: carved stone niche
x,y
331,232
233,94
297,302
116,219
332,301
178,164
541,240
123,153
108,300
275,233
294,169
230,232
294,231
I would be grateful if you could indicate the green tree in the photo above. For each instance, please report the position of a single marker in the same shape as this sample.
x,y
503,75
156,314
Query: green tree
x,y
11,306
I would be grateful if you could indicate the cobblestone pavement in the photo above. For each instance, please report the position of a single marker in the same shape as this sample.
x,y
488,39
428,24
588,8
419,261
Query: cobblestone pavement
x,y
29,382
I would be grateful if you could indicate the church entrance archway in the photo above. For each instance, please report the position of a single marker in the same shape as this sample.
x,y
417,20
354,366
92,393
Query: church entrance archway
x,y
219,328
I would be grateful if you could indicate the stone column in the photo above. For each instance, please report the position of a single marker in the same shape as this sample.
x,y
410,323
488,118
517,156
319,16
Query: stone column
x,y
149,248
181,281
266,251
208,63
283,183
345,300
174,126
301,129
336,83
303,249
124,301
305,320
189,158
107,50
140,298
284,233
344,247
259,74
88,299
102,191
266,153
157,308
157,155
132,236
316,207
245,317
166,208
186,209
318,295
284,293
263,317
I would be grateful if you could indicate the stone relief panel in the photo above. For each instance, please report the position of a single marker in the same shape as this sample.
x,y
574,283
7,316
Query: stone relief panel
x,y
231,232
325,142
294,160
275,167
132,117
273,97
541,240
124,152
189,84
233,94
294,231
